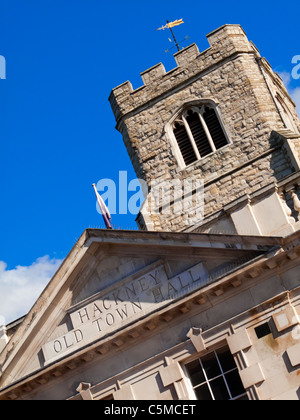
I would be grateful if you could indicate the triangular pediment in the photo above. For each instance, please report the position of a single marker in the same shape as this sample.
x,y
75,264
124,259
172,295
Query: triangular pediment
x,y
112,280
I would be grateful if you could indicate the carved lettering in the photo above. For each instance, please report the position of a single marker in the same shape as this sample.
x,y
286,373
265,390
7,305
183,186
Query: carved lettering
x,y
68,345
117,297
136,305
123,313
171,290
157,294
96,309
57,346
78,336
98,324
109,309
156,277
105,306
130,292
181,283
194,280
83,315
110,319
144,287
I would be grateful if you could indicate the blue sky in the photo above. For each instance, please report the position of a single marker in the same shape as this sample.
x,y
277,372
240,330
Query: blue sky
x,y
58,132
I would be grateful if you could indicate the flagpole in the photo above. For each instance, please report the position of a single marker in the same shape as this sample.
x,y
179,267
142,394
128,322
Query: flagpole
x,y
176,43
104,211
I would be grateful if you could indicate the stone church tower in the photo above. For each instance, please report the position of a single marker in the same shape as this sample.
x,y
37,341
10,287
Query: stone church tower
x,y
221,116
203,302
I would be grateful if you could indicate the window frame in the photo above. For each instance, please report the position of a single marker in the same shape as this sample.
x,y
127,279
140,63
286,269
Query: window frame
x,y
180,117
199,357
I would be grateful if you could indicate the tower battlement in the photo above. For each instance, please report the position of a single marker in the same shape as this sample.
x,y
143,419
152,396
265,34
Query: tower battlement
x,y
224,42
214,117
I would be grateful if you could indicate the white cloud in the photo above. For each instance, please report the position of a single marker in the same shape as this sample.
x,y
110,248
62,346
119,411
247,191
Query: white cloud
x,y
286,77
20,287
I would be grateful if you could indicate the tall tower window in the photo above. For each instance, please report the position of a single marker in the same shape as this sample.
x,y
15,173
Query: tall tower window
x,y
198,132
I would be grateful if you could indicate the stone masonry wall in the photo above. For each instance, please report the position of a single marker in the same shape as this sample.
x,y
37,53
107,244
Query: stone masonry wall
x,y
229,74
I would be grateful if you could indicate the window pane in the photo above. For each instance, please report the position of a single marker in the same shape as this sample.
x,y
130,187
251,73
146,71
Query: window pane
x,y
195,373
242,398
184,144
203,393
108,398
214,127
216,376
211,366
226,359
263,330
199,134
234,383
219,389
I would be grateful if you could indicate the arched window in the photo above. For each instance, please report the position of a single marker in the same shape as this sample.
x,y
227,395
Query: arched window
x,y
198,133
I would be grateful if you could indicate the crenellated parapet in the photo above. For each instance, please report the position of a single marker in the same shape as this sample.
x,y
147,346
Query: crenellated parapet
x,y
224,42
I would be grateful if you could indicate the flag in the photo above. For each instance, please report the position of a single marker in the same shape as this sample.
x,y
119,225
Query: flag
x,y
104,210
170,25
175,23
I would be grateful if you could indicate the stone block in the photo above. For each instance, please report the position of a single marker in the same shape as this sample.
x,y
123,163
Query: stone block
x,y
291,395
245,222
224,32
270,214
122,90
124,394
153,73
286,319
294,355
84,390
275,388
171,374
252,375
187,55
239,341
196,338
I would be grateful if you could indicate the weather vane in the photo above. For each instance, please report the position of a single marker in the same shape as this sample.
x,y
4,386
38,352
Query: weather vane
x,y
171,25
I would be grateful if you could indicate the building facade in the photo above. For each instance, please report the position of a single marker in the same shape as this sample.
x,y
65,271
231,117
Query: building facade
x,y
203,302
